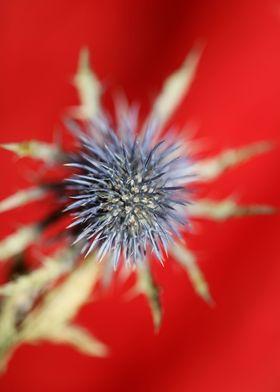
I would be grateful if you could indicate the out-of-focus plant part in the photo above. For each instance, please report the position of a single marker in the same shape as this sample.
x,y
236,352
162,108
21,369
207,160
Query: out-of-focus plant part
x,y
176,87
51,269
17,242
41,304
34,309
225,209
145,285
22,197
34,149
211,168
89,88
187,259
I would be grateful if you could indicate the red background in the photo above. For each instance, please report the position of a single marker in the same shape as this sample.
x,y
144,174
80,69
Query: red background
x,y
234,100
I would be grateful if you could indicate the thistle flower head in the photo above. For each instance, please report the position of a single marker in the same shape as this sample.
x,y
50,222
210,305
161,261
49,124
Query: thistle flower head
x,y
127,193
127,196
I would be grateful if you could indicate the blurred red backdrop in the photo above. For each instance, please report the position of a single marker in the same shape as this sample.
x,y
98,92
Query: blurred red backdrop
x,y
234,100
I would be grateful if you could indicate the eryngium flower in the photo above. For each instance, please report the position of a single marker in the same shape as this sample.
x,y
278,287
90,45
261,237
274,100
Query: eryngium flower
x,y
128,192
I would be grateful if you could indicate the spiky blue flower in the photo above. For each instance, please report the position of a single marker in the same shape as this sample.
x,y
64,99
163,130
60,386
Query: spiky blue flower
x,y
128,192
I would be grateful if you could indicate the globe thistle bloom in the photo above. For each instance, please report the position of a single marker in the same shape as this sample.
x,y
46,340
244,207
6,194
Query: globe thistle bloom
x,y
127,192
